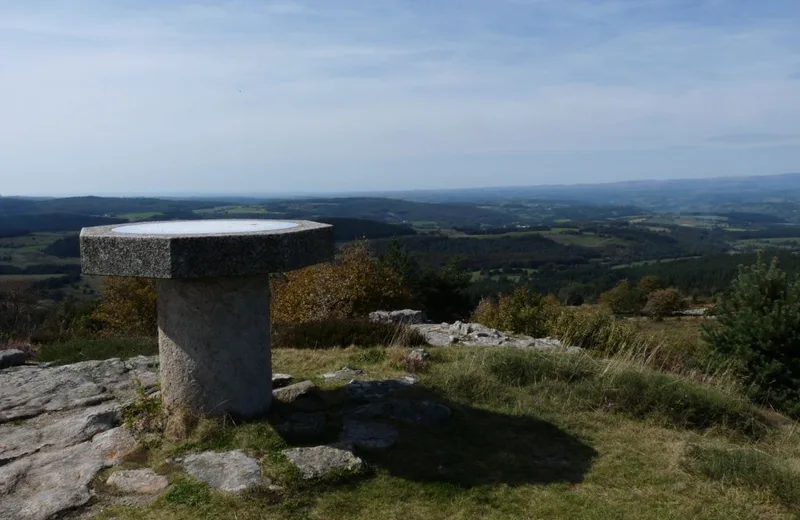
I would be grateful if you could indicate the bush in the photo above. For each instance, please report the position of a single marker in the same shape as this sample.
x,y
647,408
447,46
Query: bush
x,y
353,286
522,311
343,333
758,326
595,329
664,302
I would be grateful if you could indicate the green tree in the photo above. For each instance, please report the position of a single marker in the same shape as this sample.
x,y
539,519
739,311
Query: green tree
x,y
758,325
623,299
664,302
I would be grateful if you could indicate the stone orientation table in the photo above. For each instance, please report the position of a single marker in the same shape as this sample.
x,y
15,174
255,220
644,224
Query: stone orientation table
x,y
212,279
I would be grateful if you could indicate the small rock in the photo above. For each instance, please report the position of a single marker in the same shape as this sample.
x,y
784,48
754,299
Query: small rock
x,y
345,374
369,435
12,358
281,380
303,424
321,460
418,356
232,471
303,395
140,481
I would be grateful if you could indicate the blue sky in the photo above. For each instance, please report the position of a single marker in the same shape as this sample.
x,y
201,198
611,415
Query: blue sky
x,y
258,97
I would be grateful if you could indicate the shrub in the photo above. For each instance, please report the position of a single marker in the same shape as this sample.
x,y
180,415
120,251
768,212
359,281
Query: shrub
x,y
343,333
522,311
595,329
352,286
664,302
758,325
623,299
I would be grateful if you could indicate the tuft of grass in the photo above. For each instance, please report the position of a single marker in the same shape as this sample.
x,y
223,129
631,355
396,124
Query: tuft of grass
x,y
521,368
679,402
749,468
83,349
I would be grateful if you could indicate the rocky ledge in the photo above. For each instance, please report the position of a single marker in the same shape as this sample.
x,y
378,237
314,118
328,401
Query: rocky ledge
x,y
59,427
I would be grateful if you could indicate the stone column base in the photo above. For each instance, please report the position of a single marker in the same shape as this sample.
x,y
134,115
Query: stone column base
x,y
214,345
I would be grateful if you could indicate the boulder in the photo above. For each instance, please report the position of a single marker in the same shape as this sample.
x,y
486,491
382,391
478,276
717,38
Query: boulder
x,y
138,481
12,358
319,461
404,317
232,471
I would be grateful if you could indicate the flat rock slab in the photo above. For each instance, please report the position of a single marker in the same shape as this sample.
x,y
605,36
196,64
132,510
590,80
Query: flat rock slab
x,y
139,481
319,461
425,414
345,374
231,471
377,390
368,435
302,424
31,390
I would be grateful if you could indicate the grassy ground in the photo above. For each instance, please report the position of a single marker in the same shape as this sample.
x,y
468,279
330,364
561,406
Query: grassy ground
x,y
533,435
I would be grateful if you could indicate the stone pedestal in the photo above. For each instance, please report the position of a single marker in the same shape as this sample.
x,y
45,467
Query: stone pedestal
x,y
214,345
213,301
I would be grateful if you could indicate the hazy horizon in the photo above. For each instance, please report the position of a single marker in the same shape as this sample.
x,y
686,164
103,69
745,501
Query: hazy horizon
x,y
360,193
315,97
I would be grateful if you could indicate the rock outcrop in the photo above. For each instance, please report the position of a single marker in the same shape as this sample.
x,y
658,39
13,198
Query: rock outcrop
x,y
59,427
477,335
405,317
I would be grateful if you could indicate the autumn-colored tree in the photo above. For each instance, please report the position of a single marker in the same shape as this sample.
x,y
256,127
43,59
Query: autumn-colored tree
x,y
128,308
650,283
354,285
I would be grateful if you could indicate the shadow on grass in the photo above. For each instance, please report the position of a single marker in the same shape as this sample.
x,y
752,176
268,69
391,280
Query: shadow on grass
x,y
475,447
